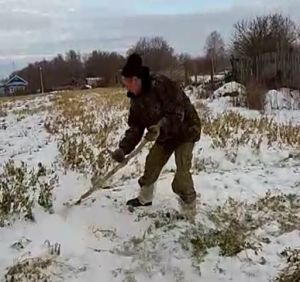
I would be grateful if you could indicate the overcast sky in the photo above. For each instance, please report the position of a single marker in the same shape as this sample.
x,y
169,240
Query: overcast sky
x,y
31,30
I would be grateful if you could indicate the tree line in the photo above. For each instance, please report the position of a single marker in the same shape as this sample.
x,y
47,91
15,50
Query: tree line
x,y
250,38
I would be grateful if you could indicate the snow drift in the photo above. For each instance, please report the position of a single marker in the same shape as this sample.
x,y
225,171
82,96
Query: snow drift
x,y
281,99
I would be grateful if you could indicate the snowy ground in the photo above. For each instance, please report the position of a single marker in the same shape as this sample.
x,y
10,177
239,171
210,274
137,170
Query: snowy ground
x,y
102,241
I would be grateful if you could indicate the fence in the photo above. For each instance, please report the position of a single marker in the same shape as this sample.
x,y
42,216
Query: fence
x,y
277,69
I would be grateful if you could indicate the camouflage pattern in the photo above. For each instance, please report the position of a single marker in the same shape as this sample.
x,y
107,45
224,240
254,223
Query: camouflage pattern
x,y
165,99
180,129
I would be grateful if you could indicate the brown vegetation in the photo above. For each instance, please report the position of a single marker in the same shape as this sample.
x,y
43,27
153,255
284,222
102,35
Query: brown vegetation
x,y
255,95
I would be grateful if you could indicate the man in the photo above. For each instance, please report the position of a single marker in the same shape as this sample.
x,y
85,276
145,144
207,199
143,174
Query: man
x,y
158,104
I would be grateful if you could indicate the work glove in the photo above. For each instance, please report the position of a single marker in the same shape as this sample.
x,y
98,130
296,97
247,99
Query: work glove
x,y
118,155
152,133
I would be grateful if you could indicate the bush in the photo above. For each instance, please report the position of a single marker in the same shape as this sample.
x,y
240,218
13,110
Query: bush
x,y
292,271
255,95
231,240
32,269
21,188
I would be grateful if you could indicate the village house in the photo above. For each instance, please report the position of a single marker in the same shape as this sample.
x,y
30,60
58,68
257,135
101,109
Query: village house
x,y
94,81
15,85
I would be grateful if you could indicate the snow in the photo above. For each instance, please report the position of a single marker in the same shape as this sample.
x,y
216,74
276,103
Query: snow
x,y
281,99
201,78
229,88
196,92
96,237
206,78
281,116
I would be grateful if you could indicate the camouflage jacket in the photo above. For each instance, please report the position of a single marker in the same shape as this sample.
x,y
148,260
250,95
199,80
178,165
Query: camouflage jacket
x,y
163,100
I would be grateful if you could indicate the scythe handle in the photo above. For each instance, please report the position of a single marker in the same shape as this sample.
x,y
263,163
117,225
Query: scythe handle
x,y
100,181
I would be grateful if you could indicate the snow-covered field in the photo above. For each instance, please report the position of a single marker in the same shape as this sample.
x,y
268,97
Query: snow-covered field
x,y
245,169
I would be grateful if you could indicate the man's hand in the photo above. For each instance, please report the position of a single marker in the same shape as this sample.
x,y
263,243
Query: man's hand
x,y
118,155
153,133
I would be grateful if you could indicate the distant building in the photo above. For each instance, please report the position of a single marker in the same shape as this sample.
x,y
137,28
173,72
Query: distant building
x,y
94,81
15,85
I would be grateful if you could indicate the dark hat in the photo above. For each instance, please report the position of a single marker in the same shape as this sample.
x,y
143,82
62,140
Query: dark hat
x,y
133,66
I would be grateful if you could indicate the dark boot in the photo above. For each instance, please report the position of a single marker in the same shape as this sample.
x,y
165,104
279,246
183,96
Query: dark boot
x,y
136,203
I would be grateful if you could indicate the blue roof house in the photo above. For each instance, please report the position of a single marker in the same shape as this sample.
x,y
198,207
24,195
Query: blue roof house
x,y
15,85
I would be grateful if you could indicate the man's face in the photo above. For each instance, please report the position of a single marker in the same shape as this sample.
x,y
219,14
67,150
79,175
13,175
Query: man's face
x,y
132,84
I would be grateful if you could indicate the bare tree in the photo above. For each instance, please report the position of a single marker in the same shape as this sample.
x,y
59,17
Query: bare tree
x,y
215,51
202,65
75,66
156,53
104,64
70,70
263,34
185,60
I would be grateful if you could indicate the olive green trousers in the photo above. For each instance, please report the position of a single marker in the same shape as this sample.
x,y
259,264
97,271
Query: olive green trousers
x,y
182,184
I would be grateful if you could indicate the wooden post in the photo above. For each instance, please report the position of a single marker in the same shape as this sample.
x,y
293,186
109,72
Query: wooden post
x,y
212,73
42,82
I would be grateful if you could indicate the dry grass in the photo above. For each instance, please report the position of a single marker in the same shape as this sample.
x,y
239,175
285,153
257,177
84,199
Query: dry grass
x,y
280,208
29,270
203,111
291,273
21,189
24,105
10,99
45,267
233,230
231,241
31,111
234,129
84,110
85,125
236,223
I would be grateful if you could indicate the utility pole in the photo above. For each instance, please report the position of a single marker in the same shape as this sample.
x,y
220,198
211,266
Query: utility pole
x,y
42,83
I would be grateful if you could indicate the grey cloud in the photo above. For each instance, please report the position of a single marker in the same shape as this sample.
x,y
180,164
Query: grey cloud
x,y
23,21
97,27
9,64
48,7
34,15
188,32
185,32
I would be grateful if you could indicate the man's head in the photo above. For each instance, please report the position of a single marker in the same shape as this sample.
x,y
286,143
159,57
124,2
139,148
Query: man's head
x,y
132,84
133,74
